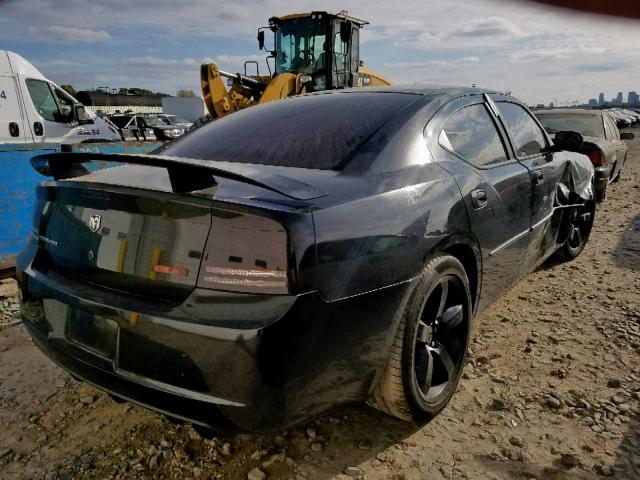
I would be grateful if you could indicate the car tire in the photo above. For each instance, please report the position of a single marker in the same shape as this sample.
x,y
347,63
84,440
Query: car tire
x,y
617,179
577,228
428,344
601,194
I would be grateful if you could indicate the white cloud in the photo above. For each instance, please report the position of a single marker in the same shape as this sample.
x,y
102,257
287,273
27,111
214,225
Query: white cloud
x,y
487,27
533,50
431,64
160,63
70,34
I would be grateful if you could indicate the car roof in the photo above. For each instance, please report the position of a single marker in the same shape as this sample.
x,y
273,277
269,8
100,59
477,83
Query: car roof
x,y
570,111
416,89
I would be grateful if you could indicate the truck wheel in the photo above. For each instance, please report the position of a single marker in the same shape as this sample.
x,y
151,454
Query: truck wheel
x,y
430,345
578,228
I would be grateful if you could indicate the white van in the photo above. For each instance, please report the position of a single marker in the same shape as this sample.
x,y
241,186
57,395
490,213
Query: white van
x,y
34,109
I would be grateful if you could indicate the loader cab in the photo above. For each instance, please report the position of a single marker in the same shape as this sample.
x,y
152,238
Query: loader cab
x,y
321,45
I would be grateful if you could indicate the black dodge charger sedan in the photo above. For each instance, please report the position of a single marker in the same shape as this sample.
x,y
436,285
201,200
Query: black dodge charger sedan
x,y
300,254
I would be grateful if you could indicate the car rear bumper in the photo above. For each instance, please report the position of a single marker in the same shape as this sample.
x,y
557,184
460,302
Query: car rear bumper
x,y
181,407
254,362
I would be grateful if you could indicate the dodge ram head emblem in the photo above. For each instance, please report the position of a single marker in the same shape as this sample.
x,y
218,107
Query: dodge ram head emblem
x,y
94,223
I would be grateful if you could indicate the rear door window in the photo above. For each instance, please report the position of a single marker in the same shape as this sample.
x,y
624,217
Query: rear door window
x,y
527,137
471,133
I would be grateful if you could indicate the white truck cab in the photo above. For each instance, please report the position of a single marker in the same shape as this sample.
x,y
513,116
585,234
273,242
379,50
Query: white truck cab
x,y
34,109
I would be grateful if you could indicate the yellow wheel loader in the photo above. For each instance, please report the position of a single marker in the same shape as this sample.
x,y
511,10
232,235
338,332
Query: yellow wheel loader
x,y
312,52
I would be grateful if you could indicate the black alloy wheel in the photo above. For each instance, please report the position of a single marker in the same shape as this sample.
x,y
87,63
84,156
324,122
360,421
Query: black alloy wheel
x,y
439,340
579,225
430,344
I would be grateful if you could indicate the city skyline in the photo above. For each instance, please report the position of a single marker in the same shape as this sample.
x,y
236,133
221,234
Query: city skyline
x,y
632,98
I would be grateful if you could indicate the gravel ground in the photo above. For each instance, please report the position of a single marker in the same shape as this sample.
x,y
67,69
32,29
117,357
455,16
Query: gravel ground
x,y
9,303
551,391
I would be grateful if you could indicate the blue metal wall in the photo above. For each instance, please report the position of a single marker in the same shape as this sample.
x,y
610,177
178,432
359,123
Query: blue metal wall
x,y
18,181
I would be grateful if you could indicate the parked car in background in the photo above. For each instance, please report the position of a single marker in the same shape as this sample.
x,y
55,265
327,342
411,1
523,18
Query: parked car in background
x,y
161,127
176,120
631,113
262,282
603,142
130,128
147,127
621,120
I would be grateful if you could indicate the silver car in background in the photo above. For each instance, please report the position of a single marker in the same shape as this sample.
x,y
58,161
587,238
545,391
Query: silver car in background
x,y
603,142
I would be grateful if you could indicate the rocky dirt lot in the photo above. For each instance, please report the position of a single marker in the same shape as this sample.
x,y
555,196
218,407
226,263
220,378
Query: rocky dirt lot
x,y
551,391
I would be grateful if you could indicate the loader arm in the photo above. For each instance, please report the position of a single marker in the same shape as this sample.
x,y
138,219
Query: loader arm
x,y
214,91
282,86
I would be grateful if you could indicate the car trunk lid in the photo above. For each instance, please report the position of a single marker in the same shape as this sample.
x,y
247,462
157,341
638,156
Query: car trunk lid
x,y
142,242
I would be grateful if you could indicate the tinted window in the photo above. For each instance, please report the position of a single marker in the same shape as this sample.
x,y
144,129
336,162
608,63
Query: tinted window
x,y
589,125
155,121
317,131
528,138
470,133
120,122
43,100
66,106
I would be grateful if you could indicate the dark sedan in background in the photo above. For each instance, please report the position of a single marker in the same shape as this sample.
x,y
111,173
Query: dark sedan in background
x,y
603,142
338,256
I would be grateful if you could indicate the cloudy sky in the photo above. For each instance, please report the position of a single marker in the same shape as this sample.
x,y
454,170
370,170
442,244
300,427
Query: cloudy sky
x,y
539,53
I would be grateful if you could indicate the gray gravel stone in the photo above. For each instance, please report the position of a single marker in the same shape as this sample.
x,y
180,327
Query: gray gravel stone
x,y
354,472
316,447
552,402
256,474
516,441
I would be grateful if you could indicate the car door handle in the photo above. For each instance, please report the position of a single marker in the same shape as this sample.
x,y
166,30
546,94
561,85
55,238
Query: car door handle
x,y
478,198
537,177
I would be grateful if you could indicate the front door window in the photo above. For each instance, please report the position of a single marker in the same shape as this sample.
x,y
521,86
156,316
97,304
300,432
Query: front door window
x,y
50,102
43,100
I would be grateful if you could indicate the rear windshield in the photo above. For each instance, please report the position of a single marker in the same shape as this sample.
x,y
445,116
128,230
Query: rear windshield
x,y
589,125
317,131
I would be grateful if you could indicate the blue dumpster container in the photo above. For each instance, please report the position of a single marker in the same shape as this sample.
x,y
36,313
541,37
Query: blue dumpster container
x,y
18,180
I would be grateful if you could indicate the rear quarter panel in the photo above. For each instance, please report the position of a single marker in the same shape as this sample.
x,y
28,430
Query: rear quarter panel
x,y
383,239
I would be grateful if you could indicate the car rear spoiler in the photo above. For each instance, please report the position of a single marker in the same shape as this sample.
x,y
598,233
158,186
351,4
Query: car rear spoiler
x,y
186,174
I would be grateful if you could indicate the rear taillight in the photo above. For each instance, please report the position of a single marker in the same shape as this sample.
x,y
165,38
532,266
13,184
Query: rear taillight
x,y
245,253
596,157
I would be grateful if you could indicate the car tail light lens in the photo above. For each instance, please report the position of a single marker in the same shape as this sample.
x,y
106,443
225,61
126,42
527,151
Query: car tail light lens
x,y
241,277
596,157
245,253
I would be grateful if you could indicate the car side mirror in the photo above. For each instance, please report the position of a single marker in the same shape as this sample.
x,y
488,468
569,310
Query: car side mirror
x,y
261,39
571,141
627,136
81,116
